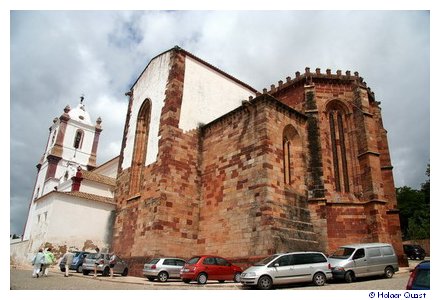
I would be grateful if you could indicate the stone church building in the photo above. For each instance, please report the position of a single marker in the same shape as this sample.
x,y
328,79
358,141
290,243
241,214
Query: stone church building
x,y
209,165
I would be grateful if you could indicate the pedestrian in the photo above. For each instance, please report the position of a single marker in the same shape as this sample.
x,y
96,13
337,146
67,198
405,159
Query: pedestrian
x,y
49,259
68,258
37,261
98,254
112,263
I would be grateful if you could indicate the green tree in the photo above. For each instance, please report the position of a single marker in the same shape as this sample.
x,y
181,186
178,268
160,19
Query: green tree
x,y
415,210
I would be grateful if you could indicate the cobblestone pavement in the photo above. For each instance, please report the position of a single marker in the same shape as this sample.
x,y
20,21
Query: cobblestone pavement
x,y
21,279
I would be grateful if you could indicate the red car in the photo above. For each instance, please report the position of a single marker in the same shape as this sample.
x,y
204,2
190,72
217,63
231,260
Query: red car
x,y
207,267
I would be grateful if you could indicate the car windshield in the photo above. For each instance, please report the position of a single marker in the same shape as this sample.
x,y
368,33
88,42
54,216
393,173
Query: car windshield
x,y
153,261
193,260
93,255
266,260
422,278
76,254
342,253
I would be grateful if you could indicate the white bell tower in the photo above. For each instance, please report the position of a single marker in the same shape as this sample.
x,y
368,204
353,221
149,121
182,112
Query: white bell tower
x,y
72,144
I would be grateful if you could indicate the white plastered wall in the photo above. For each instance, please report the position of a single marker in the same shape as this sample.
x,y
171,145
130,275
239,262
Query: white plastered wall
x,y
110,169
96,188
70,221
207,95
151,84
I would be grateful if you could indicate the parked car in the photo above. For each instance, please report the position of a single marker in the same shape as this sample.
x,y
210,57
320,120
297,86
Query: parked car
x,y
163,268
414,252
288,268
419,278
207,267
361,260
77,261
103,260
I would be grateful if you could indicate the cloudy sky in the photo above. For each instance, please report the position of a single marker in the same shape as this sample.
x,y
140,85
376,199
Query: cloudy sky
x,y
56,56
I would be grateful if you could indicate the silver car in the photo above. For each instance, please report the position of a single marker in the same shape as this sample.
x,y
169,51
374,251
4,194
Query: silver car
x,y
103,264
288,268
163,268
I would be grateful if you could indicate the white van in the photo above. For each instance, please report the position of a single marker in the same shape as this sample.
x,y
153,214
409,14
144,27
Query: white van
x,y
360,260
286,268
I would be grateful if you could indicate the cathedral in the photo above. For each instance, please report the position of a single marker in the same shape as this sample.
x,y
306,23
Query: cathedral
x,y
209,165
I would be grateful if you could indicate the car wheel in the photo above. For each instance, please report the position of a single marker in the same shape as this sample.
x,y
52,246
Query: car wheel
x,y
186,280
86,272
163,276
264,283
237,277
202,278
389,272
80,269
63,269
319,279
349,277
106,271
125,272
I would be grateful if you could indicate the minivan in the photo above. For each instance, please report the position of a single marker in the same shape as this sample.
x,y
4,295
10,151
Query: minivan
x,y
285,268
361,260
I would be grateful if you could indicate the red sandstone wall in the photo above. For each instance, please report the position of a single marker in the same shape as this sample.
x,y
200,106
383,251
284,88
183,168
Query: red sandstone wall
x,y
233,222
222,192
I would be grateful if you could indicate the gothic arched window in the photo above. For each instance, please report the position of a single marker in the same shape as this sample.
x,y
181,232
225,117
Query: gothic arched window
x,y
140,144
77,143
336,115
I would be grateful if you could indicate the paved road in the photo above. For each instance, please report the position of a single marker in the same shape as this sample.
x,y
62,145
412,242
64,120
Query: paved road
x,y
22,280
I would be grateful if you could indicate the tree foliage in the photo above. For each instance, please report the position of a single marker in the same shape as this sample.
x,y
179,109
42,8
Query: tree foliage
x,y
414,210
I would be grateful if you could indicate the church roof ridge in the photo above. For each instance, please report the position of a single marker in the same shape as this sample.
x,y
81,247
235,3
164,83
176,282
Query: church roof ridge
x,y
180,49
93,176
78,194
92,197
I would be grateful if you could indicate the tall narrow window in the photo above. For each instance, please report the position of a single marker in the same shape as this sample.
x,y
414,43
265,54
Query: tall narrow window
x,y
78,139
53,138
140,145
293,160
339,151
286,161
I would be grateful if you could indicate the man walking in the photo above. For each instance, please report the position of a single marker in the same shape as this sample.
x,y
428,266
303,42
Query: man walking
x,y
68,258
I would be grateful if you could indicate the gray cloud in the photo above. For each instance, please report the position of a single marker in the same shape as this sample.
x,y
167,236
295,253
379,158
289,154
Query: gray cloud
x,y
57,56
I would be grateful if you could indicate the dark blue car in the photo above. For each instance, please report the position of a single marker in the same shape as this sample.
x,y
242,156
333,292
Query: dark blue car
x,y
77,261
419,278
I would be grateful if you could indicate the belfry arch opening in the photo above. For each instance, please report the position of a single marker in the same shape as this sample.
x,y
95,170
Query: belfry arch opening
x,y
293,160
